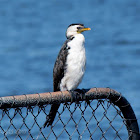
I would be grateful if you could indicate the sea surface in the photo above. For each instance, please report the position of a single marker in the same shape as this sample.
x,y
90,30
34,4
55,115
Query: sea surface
x,y
32,33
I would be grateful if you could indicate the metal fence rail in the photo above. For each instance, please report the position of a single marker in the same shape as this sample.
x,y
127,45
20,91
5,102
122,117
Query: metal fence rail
x,y
103,113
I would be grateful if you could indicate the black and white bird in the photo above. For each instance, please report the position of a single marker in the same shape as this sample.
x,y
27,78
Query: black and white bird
x,y
69,67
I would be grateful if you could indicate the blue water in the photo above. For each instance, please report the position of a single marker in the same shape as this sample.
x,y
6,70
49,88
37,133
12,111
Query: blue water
x,y
32,32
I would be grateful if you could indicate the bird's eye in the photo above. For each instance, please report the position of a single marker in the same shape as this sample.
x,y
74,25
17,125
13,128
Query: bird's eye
x,y
79,28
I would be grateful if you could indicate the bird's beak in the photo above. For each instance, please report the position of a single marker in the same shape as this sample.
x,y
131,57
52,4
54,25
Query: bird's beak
x,y
84,29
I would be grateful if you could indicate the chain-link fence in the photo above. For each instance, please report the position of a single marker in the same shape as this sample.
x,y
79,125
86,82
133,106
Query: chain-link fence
x,y
102,114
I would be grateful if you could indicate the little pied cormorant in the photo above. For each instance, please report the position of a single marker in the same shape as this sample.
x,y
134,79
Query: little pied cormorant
x,y
69,67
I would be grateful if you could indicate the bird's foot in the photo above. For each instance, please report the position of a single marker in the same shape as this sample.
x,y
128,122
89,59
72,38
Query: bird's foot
x,y
76,95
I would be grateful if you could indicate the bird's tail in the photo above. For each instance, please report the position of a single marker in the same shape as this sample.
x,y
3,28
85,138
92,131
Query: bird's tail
x,y
50,118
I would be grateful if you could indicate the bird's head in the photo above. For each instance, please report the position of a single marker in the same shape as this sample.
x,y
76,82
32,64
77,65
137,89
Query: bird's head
x,y
74,29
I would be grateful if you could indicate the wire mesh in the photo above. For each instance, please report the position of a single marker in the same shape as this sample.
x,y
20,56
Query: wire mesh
x,y
98,119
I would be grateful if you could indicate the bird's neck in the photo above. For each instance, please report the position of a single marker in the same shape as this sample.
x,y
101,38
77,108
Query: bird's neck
x,y
80,37
77,41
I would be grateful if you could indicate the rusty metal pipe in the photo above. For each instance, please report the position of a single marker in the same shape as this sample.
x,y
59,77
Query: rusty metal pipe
x,y
52,97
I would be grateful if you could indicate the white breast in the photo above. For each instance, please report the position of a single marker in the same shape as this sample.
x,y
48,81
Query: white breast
x,y
76,60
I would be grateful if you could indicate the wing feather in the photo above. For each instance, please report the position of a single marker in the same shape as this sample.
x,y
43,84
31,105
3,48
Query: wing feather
x,y
59,67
